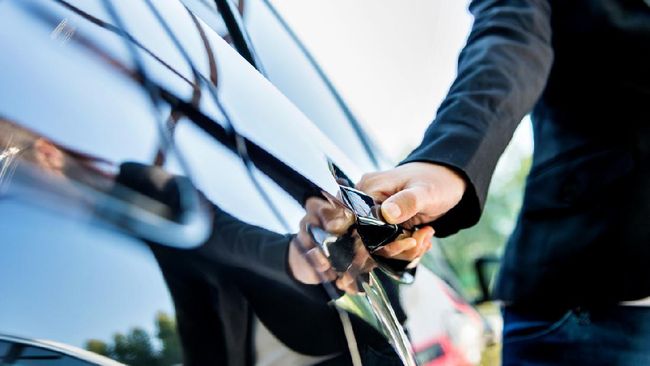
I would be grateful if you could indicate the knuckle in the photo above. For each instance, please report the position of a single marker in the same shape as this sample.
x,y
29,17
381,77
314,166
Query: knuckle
x,y
365,180
370,180
407,201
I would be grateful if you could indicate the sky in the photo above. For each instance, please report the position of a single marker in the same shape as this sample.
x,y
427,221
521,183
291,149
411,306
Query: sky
x,y
393,61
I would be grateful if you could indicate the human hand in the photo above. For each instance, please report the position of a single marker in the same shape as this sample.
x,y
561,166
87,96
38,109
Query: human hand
x,y
414,193
307,262
410,248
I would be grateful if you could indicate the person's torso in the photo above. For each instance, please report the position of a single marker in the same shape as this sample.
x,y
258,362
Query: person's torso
x,y
584,231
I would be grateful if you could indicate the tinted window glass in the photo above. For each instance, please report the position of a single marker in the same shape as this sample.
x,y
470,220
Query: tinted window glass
x,y
207,10
32,356
259,112
293,73
4,348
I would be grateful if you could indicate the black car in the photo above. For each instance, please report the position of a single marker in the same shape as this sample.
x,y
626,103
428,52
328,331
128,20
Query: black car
x,y
131,135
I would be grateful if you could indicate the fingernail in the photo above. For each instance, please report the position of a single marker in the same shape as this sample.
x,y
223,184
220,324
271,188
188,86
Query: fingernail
x,y
391,210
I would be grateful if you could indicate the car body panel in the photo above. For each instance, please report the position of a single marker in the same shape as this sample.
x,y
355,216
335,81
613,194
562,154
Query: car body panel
x,y
121,286
214,119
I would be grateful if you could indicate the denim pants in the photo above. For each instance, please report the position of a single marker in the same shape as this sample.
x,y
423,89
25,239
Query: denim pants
x,y
613,336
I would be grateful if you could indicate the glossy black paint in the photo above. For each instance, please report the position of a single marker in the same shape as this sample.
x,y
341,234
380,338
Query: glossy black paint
x,y
157,73
112,263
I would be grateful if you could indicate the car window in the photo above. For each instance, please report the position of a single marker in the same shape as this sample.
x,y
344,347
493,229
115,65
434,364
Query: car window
x,y
207,10
293,72
34,356
4,348
295,75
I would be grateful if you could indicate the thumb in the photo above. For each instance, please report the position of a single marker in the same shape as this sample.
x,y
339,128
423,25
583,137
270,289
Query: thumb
x,y
402,205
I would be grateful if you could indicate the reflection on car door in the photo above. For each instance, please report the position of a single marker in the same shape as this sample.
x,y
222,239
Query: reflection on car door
x,y
296,74
74,267
99,278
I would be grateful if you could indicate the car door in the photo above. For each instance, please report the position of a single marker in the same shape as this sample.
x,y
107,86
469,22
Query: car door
x,y
299,77
293,71
141,101
79,231
286,166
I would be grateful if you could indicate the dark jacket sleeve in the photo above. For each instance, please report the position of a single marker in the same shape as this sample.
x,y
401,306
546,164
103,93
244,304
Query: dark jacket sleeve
x,y
242,246
502,71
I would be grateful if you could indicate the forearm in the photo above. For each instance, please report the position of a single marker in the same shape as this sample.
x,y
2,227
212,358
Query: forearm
x,y
502,72
250,249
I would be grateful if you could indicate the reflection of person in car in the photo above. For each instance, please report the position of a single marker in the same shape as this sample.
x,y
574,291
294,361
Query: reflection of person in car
x,y
240,270
580,253
18,143
246,268
310,265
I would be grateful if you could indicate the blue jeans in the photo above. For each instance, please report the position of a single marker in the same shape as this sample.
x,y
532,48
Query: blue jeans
x,y
611,336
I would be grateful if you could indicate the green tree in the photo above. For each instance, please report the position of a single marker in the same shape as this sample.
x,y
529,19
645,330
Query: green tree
x,y
97,346
134,349
171,352
120,350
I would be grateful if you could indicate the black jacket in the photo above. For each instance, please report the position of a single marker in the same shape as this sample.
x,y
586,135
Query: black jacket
x,y
582,67
239,270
